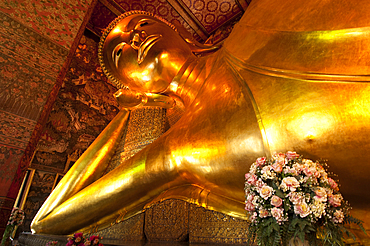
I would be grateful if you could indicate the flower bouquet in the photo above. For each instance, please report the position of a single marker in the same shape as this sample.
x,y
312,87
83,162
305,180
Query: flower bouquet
x,y
93,241
79,240
16,218
290,198
51,243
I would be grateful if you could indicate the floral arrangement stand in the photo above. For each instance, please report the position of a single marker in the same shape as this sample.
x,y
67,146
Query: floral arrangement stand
x,y
16,218
293,201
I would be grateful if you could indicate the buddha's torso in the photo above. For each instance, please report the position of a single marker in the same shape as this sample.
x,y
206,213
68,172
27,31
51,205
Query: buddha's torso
x,y
307,70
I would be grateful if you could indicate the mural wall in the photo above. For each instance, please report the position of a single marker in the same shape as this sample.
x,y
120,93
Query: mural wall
x,y
84,106
35,40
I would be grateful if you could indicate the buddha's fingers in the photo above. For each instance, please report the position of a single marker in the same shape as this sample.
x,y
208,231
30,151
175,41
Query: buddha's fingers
x,y
89,167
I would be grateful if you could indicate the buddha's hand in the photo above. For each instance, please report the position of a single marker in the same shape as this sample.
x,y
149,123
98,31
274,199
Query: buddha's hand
x,y
129,99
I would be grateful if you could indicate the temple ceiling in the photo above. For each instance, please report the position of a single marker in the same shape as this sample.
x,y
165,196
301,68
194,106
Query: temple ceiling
x,y
208,21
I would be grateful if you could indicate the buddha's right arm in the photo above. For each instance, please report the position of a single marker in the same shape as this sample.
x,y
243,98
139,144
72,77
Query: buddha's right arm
x,y
89,167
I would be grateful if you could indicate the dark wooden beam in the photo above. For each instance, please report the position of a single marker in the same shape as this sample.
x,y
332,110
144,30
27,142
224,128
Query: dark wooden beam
x,y
188,16
113,6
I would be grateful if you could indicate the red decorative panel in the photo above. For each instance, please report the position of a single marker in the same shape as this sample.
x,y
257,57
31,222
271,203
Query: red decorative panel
x,y
9,159
159,7
101,17
57,20
213,13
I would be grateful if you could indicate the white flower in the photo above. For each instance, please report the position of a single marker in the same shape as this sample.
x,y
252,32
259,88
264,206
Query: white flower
x,y
289,183
318,208
266,191
302,209
338,216
266,172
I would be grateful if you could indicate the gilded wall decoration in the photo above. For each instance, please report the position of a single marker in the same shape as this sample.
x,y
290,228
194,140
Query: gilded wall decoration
x,y
207,226
15,131
128,230
29,65
33,53
167,221
57,20
84,107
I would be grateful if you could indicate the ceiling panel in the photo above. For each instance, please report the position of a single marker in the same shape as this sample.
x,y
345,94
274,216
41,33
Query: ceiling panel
x,y
203,19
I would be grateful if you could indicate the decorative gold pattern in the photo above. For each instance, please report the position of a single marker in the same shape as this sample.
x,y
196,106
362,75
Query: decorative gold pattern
x,y
207,226
128,230
145,125
167,221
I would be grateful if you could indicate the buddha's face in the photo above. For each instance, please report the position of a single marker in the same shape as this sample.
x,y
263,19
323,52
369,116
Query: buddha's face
x,y
144,53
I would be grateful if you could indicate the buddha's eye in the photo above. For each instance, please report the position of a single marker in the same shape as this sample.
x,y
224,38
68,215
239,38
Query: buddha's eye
x,y
143,24
117,53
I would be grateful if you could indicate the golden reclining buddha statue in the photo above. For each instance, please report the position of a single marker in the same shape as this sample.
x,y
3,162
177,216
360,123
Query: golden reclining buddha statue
x,y
293,75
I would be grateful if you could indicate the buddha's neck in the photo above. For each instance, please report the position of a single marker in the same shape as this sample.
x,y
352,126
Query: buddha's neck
x,y
191,78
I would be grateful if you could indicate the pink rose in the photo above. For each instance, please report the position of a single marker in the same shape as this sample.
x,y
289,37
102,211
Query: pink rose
x,y
279,158
298,167
277,213
250,198
279,155
260,183
291,155
302,209
266,191
249,206
321,195
287,169
289,183
309,171
253,217
263,213
335,200
247,175
295,197
277,167
252,179
333,184
276,201
260,161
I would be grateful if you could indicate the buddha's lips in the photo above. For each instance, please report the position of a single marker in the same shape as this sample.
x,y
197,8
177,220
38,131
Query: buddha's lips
x,y
146,45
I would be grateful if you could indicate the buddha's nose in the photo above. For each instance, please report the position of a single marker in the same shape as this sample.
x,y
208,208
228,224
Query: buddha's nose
x,y
137,37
